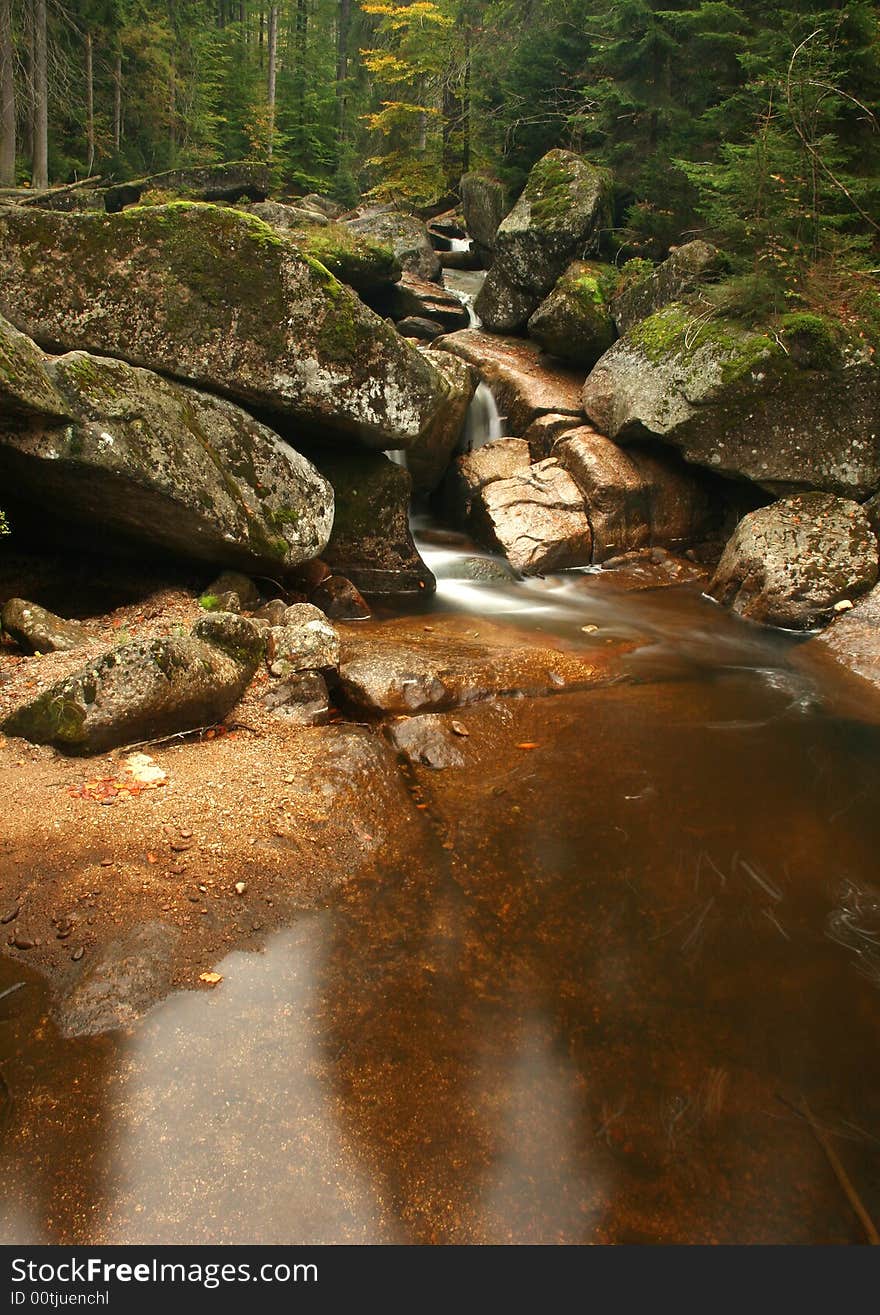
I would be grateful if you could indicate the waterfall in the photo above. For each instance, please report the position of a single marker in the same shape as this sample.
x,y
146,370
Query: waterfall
x,y
483,422
398,456
459,244
465,284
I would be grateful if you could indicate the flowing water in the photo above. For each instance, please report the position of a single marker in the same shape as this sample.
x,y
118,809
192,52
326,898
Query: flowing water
x,y
627,989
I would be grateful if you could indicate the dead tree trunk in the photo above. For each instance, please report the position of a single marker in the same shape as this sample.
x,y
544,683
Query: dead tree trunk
x,y
7,97
41,98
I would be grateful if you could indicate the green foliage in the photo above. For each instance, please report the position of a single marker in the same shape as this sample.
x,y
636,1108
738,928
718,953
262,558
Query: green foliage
x,y
4,525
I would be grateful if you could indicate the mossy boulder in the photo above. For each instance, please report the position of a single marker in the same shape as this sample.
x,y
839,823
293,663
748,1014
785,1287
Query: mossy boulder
x,y
163,466
557,219
790,563
405,234
221,300
26,390
225,183
145,689
364,264
642,290
737,401
37,631
371,543
574,322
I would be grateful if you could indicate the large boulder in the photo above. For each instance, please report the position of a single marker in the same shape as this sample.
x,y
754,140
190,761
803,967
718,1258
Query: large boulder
x,y
634,498
406,235
226,183
790,563
217,298
429,460
525,383
642,291
574,322
565,203
853,638
164,466
371,543
482,201
538,519
146,689
743,403
364,264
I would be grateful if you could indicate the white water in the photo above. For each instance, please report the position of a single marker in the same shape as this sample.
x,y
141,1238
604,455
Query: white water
x,y
465,284
459,244
483,422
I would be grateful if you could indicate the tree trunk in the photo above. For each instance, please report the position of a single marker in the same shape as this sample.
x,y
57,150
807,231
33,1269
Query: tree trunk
x,y
7,98
466,107
117,101
40,169
302,36
90,105
270,90
343,25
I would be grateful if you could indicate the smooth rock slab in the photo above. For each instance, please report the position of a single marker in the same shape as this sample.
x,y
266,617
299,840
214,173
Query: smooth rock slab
x,y
789,563
146,689
427,741
524,382
538,519
116,987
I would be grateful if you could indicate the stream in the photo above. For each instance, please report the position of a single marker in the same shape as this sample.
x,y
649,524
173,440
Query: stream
x,y
635,997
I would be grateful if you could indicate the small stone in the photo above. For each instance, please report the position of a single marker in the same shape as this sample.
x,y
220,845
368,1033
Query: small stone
x,y
458,729
843,606
11,914
77,954
23,942
240,887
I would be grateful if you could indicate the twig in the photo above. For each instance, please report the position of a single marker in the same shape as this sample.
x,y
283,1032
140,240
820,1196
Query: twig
x,y
840,1173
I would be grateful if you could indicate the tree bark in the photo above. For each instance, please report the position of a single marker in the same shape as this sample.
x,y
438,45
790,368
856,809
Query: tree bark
x,y
41,99
302,36
343,25
90,105
117,101
7,97
270,89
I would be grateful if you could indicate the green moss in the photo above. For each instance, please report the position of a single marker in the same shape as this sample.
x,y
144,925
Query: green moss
x,y
813,340
674,330
210,602
553,184
350,257
634,272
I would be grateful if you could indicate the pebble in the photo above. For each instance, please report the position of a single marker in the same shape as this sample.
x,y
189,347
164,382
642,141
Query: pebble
x,y
11,914
23,943
240,887
77,954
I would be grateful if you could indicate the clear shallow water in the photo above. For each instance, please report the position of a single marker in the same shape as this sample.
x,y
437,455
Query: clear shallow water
x,y
589,1009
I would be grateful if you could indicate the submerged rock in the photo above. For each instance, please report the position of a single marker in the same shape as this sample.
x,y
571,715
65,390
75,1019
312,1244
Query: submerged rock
x,y
426,740
371,543
37,631
565,203
146,689
156,463
119,984
790,563
735,401
574,322
219,299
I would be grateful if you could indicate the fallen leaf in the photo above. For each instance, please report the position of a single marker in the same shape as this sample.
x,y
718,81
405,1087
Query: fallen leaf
x,y
527,745
210,979
458,728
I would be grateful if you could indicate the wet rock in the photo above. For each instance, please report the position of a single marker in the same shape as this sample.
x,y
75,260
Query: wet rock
x,y
306,642
371,543
37,631
574,322
685,269
272,613
435,672
482,200
301,699
525,383
537,519
146,689
503,458
406,235
633,498
119,983
565,203
481,570
157,464
339,599
853,638
428,461
735,401
237,583
789,563
417,297
543,432
416,326
427,741
221,300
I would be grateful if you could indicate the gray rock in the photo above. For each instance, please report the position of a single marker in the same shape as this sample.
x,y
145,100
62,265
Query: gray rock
x,y
735,401
226,183
405,234
416,326
482,200
237,583
305,642
574,322
565,203
157,463
789,563
116,987
221,300
37,631
685,269
426,741
300,699
146,689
